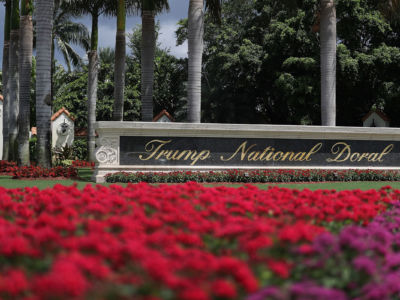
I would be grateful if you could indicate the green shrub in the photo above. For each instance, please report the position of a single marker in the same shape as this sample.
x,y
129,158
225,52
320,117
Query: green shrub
x,y
249,176
79,148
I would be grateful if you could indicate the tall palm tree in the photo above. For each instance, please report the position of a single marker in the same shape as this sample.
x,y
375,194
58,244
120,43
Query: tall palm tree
x,y
5,82
95,8
149,9
65,33
328,62
195,52
13,80
25,68
119,65
44,27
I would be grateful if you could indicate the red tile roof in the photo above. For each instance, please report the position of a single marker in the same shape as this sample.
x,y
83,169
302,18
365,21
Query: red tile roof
x,y
62,110
379,113
161,114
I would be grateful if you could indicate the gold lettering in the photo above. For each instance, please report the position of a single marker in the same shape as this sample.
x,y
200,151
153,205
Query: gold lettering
x,y
187,152
202,156
264,153
373,156
340,149
162,153
313,150
174,156
149,147
253,156
363,155
277,156
355,156
299,156
242,148
385,151
268,156
290,154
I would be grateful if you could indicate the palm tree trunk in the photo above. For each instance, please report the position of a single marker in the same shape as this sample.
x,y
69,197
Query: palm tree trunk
x,y
328,62
92,88
5,82
147,64
119,67
44,28
14,81
25,69
195,44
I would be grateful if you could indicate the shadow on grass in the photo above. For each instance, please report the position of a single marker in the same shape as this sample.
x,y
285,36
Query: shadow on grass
x,y
85,175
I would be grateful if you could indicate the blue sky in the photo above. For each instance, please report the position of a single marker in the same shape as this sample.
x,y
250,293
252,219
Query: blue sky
x,y
107,28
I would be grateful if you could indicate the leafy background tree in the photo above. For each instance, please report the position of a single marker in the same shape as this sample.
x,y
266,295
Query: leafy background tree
x,y
169,91
261,65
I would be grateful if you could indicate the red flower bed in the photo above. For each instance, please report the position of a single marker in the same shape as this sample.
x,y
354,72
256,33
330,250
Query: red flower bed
x,y
166,242
82,164
4,165
39,172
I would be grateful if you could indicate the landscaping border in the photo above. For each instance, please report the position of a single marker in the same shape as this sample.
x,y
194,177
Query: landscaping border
x,y
255,176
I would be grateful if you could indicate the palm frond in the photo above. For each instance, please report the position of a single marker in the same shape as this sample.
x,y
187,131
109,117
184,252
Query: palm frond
x,y
154,5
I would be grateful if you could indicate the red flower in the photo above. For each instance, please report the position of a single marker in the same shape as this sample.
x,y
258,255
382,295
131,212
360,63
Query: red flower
x,y
224,289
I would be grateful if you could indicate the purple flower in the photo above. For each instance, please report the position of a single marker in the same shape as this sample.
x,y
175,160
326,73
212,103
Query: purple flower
x,y
392,260
374,291
310,291
365,264
353,237
325,243
271,293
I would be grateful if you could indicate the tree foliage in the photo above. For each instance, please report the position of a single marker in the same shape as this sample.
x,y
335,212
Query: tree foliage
x,y
169,91
261,65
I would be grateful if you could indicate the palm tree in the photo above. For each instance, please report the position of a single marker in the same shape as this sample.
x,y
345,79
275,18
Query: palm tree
x,y
119,65
149,9
5,70
195,52
328,62
66,33
44,27
13,80
25,68
95,8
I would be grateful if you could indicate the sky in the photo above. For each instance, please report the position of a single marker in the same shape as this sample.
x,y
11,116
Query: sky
x,y
107,28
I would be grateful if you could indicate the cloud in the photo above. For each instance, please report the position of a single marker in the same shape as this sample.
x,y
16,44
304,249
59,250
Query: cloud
x,y
107,36
167,39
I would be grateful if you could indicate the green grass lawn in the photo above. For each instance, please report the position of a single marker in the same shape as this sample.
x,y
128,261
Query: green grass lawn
x,y
85,178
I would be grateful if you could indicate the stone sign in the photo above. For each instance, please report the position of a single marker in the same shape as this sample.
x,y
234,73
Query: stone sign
x,y
203,151
151,146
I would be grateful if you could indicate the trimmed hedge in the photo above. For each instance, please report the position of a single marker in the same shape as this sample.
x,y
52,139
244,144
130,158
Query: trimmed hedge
x,y
256,176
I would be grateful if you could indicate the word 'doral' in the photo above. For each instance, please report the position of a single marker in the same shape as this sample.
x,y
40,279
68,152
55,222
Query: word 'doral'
x,y
343,153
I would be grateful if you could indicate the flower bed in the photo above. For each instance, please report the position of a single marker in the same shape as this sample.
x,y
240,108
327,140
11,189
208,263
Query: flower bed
x,y
257,176
4,165
82,164
39,172
358,263
165,242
